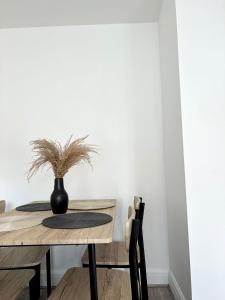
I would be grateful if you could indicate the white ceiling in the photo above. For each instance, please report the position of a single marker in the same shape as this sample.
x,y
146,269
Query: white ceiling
x,y
29,13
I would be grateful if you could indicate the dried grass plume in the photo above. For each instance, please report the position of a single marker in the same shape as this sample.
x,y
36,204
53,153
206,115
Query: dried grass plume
x,y
59,158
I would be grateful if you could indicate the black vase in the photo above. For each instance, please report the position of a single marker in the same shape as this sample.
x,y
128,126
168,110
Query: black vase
x,y
59,197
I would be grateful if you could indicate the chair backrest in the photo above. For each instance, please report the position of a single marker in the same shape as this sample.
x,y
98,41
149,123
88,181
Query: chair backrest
x,y
131,217
141,213
131,240
134,275
143,274
134,213
139,206
137,201
2,206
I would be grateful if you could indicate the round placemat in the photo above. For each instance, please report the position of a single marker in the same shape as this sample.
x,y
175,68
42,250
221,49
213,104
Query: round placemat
x,y
77,220
90,204
31,207
18,222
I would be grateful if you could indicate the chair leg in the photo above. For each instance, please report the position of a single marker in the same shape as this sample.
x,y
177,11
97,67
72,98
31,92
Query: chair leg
x,y
144,283
32,289
92,272
38,280
34,284
136,295
48,267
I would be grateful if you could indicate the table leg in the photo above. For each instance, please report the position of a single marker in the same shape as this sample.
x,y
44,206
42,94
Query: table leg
x,y
48,268
92,272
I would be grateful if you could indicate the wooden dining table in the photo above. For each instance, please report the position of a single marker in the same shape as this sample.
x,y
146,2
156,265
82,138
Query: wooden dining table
x,y
41,235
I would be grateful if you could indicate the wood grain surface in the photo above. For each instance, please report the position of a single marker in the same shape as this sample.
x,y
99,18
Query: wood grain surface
x,y
41,235
17,257
12,223
114,253
155,293
13,282
75,285
91,204
2,206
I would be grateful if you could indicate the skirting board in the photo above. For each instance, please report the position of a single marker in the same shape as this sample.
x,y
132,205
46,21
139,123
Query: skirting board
x,y
175,288
154,276
157,277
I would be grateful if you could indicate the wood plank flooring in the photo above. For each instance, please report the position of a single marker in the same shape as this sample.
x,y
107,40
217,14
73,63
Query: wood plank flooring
x,y
155,293
160,293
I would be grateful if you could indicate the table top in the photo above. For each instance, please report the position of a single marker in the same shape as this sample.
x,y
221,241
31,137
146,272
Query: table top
x,y
41,235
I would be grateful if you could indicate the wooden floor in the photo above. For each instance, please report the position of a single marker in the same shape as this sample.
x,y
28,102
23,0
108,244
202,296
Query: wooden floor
x,y
156,293
160,293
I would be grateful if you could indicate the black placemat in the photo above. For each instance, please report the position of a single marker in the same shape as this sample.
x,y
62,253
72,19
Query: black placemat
x,y
34,207
77,220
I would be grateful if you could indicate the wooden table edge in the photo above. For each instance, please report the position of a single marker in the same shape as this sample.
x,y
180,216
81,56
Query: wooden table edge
x,y
17,242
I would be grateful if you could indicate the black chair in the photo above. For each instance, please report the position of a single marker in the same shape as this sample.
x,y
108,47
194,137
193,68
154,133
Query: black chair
x,y
114,255
13,282
142,264
26,258
112,284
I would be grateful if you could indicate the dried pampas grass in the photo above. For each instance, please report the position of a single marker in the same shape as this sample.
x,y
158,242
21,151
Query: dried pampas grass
x,y
59,158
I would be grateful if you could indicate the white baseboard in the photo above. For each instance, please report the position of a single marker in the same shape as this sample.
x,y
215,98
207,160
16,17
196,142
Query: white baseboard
x,y
157,277
175,288
154,277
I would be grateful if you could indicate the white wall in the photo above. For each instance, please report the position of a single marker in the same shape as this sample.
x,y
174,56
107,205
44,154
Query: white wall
x,y
179,277
97,80
201,42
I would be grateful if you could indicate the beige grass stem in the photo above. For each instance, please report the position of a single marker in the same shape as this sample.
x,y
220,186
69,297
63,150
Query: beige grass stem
x,y
60,159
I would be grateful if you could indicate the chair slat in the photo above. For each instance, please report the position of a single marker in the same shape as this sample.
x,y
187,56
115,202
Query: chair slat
x,y
13,282
30,257
21,257
2,206
113,254
137,201
131,217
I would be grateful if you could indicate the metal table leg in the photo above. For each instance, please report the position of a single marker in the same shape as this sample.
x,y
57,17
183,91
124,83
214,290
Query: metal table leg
x,y
92,272
48,268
